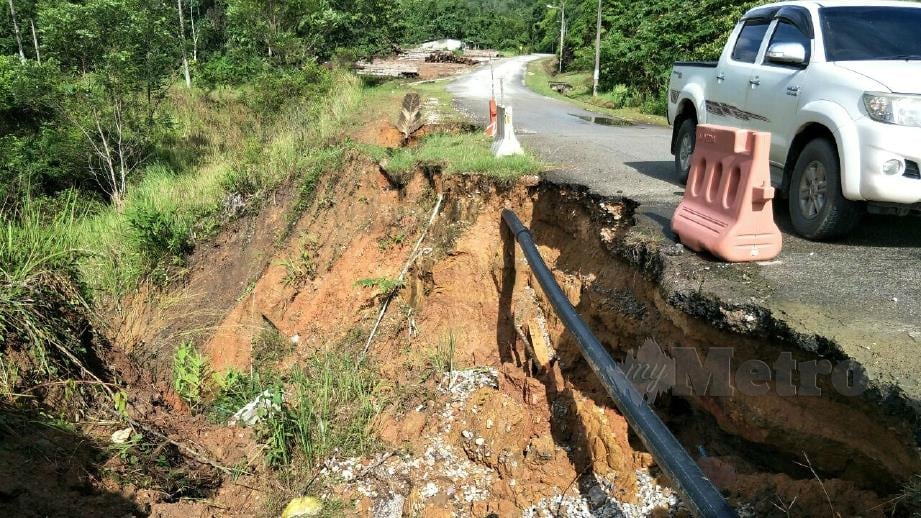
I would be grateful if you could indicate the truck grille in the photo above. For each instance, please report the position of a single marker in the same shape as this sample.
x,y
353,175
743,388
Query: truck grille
x,y
911,170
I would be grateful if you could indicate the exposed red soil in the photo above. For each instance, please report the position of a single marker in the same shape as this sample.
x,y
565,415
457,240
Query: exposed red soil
x,y
541,429
379,133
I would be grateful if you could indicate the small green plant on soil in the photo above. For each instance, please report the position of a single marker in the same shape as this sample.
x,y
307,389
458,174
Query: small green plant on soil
x,y
385,286
303,266
388,242
189,374
247,291
299,269
442,357
270,347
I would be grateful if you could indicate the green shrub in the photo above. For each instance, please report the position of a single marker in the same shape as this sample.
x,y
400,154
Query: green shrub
x,y
189,373
158,232
273,90
619,96
243,182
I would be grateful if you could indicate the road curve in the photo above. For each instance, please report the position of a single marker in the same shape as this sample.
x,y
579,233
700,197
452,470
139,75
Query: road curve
x,y
604,158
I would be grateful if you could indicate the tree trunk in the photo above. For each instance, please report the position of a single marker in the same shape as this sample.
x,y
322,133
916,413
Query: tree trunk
x,y
194,34
273,32
185,57
22,55
38,55
596,77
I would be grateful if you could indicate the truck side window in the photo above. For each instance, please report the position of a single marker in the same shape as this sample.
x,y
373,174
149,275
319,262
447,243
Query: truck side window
x,y
749,42
786,32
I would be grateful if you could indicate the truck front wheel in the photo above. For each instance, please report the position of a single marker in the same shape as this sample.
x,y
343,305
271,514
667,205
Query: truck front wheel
x,y
818,209
684,148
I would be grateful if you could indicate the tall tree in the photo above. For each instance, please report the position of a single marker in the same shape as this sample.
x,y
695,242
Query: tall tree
x,y
22,55
38,54
185,54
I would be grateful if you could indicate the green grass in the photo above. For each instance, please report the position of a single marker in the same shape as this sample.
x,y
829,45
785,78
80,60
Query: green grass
x,y
385,287
464,153
43,310
168,211
442,356
617,103
325,404
234,390
334,398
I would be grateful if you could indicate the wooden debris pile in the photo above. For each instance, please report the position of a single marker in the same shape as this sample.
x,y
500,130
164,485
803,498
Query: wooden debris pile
x,y
442,56
416,62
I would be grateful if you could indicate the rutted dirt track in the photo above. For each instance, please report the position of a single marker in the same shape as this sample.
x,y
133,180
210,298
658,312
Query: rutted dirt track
x,y
497,433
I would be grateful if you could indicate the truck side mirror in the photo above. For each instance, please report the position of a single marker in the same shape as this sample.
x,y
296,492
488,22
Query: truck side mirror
x,y
790,54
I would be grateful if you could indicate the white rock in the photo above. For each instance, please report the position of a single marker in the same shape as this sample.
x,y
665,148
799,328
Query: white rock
x,y
121,436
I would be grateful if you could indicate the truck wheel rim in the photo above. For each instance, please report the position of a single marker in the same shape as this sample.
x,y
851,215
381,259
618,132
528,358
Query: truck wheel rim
x,y
684,153
813,190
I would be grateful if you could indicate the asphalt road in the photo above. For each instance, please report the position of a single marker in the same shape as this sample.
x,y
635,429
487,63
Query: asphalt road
x,y
863,292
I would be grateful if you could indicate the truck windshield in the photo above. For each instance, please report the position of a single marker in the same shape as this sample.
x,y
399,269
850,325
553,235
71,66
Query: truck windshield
x,y
871,33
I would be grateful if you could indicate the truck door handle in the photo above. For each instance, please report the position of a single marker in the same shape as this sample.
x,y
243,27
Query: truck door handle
x,y
793,90
721,77
755,82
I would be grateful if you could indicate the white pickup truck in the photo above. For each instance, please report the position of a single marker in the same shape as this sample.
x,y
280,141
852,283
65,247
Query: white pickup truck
x,y
838,86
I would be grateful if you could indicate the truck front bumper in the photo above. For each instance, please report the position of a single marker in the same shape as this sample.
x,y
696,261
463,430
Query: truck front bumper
x,y
881,144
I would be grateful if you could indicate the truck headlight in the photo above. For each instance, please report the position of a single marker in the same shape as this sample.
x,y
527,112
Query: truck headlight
x,y
902,110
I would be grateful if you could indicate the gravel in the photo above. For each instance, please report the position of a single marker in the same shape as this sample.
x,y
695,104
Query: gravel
x,y
598,502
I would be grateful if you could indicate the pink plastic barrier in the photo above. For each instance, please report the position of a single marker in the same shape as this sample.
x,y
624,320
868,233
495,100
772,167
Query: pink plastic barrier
x,y
727,208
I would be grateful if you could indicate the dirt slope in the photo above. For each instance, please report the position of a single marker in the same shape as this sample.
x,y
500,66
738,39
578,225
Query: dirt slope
x,y
476,423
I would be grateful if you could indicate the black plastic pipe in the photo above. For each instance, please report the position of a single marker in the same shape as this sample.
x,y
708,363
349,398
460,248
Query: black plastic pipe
x,y
703,497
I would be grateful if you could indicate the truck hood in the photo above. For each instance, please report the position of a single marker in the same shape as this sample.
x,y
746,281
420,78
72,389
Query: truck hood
x,y
902,77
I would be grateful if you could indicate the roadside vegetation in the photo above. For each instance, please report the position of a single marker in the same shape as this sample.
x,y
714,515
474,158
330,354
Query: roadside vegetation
x,y
618,103
123,149
639,43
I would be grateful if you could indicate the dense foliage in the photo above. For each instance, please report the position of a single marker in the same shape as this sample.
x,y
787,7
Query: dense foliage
x,y
499,24
641,40
82,82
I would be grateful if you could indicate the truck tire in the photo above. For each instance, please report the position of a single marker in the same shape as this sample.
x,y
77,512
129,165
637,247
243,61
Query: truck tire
x,y
684,147
818,209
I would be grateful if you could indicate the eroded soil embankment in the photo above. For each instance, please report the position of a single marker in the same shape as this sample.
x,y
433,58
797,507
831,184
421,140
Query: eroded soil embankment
x,y
469,306
853,439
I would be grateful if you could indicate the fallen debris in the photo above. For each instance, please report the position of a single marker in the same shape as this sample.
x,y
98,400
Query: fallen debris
x,y
256,410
